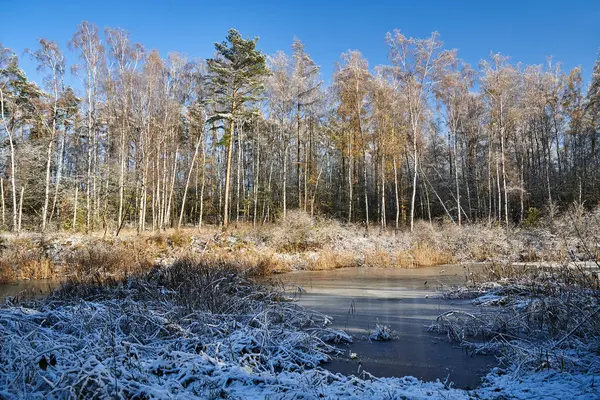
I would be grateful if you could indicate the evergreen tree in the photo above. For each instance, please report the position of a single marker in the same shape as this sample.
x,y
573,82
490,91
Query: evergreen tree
x,y
236,79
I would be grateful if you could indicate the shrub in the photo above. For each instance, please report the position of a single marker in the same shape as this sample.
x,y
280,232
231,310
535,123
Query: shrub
x,y
378,259
24,259
101,260
295,234
532,218
178,239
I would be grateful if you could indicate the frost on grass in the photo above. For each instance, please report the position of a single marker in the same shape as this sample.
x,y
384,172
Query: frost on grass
x,y
382,333
187,331
181,331
198,331
542,324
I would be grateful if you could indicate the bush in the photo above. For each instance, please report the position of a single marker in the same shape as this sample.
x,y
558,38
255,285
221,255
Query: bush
x,y
532,218
378,259
425,255
296,233
100,260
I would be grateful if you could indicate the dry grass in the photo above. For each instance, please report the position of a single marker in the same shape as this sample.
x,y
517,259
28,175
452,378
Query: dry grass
x,y
302,242
419,255
24,259
378,259
294,234
329,259
531,316
260,263
426,255
102,260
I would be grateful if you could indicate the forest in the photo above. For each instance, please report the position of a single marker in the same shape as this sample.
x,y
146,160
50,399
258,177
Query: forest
x,y
249,226
153,143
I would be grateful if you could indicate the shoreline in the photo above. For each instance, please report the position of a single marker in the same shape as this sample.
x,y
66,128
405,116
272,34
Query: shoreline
x,y
183,338
313,244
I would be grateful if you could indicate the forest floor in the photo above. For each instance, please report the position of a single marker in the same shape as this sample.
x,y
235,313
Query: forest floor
x,y
207,330
300,242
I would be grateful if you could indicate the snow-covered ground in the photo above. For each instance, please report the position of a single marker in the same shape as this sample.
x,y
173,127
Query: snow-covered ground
x,y
144,340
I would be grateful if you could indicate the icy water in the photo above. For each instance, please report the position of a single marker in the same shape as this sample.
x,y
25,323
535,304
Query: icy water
x,y
358,298
27,288
405,299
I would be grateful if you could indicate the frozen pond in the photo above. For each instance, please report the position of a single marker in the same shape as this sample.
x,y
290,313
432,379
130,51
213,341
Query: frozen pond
x,y
358,298
404,299
30,288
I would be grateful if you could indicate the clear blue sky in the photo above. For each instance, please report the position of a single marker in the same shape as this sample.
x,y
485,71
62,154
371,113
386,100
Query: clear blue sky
x,y
527,30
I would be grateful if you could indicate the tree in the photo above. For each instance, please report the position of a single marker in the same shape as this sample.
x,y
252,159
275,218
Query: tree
x,y
91,52
592,114
17,98
306,84
236,76
281,103
153,140
453,91
50,58
500,84
418,64
352,81
126,57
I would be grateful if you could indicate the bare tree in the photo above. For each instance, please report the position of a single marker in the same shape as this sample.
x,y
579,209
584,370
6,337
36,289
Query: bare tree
x,y
91,51
419,63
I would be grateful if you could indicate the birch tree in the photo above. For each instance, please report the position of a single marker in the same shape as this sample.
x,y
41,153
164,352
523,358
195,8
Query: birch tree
x,y
418,64
91,51
50,59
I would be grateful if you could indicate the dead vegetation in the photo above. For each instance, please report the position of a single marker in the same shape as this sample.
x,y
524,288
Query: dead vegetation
x,y
531,317
302,242
192,329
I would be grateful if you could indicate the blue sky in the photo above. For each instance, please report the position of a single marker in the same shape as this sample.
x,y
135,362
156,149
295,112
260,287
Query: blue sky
x,y
527,31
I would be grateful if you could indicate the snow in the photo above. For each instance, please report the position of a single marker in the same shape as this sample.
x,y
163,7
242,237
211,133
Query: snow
x,y
540,385
125,344
382,333
488,300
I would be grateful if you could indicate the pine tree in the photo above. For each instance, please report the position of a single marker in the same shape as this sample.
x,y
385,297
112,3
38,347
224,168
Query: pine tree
x,y
236,79
17,108
593,98
592,114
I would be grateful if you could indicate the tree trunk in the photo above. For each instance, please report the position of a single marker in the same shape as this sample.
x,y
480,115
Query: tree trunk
x,y
459,219
350,180
21,208
397,195
382,211
504,177
298,160
228,175
187,182
12,160
256,178
172,189
312,202
414,188
75,210
202,186
238,173
285,167
3,204
122,177
47,186
61,157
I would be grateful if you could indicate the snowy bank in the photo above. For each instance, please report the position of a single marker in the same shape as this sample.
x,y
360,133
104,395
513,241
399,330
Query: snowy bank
x,y
197,331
